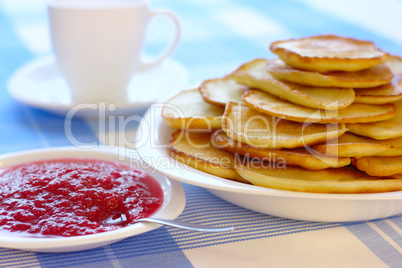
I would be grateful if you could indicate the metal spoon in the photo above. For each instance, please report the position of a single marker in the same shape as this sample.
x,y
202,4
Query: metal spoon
x,y
173,223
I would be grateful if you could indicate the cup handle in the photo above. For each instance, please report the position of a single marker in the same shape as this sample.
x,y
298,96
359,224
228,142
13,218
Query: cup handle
x,y
146,65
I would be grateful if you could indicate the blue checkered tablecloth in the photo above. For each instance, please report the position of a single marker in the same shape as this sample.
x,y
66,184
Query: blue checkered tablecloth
x,y
217,37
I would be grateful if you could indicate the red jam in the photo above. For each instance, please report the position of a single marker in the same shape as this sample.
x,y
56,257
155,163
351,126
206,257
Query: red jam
x,y
70,197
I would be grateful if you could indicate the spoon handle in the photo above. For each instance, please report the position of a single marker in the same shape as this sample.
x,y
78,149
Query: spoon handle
x,y
187,225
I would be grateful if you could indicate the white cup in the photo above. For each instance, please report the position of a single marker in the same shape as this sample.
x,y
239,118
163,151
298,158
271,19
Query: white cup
x,y
98,45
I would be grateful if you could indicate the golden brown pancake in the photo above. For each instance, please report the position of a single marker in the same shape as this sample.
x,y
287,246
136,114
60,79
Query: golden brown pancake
x,y
371,77
380,166
382,130
187,110
196,150
222,90
387,93
351,145
395,63
249,126
297,156
387,129
390,92
332,180
325,53
255,75
354,113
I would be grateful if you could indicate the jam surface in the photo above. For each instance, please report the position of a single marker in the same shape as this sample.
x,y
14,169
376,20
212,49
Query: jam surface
x,y
71,197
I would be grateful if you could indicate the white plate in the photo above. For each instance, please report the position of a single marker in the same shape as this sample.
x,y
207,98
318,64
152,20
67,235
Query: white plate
x,y
173,205
154,133
38,84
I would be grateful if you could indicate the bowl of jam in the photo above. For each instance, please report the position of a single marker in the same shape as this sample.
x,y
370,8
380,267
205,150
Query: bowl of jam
x,y
62,199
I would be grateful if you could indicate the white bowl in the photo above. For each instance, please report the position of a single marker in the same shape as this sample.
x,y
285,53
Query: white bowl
x,y
173,205
154,133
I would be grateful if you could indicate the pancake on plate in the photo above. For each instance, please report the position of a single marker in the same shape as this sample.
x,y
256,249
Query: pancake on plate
x,y
386,93
298,156
382,130
249,126
354,113
325,53
395,64
255,75
390,92
188,110
391,128
220,91
331,180
371,77
351,145
380,166
196,150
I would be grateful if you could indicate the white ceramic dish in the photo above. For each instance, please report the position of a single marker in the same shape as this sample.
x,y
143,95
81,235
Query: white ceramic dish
x,y
38,84
154,133
174,202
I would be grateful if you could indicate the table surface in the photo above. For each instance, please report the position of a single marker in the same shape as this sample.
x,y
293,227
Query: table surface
x,y
217,37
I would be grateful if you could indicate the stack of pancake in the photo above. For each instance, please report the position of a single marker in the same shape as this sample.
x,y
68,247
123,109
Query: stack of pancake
x,y
322,117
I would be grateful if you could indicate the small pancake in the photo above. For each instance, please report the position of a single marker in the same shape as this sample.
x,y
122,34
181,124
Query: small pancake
x,y
390,92
382,130
195,149
354,113
372,77
326,53
380,166
387,93
395,63
387,129
221,90
187,110
254,74
332,180
249,126
297,156
351,145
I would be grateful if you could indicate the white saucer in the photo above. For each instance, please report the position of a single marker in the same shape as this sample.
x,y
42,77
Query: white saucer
x,y
38,84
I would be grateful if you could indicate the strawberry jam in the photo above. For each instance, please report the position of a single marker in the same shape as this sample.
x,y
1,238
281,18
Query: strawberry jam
x,y
71,197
